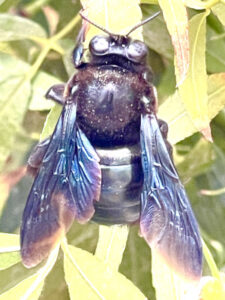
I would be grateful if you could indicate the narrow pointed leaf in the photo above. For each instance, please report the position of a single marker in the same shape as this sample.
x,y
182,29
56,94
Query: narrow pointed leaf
x,y
111,244
18,28
216,93
213,289
197,161
174,113
89,278
14,97
50,121
9,250
194,88
31,287
219,11
101,12
12,110
9,259
155,29
175,15
9,242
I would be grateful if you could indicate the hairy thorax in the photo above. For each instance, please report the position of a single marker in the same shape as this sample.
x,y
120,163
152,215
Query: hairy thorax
x,y
108,107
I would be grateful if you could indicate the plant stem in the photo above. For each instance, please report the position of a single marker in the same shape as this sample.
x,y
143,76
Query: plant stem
x,y
66,29
210,261
49,45
35,6
213,192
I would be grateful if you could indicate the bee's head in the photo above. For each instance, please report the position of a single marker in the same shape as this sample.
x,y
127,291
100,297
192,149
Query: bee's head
x,y
112,48
117,45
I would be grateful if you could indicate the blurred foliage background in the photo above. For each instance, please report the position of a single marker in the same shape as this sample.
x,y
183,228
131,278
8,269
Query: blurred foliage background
x,y
23,111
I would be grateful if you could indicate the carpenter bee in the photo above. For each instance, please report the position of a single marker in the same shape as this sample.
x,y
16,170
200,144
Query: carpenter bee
x,y
108,160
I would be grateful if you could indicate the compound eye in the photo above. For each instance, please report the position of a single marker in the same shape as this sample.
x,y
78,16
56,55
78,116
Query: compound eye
x,y
99,45
137,51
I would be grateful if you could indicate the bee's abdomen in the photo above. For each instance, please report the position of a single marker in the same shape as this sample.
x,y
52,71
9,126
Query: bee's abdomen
x,y
122,180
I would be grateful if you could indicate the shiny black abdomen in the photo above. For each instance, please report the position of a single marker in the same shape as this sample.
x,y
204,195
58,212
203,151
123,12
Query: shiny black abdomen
x,y
122,180
108,111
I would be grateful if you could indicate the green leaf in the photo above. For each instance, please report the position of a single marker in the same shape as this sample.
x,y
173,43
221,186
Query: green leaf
x,y
175,15
11,67
6,4
17,28
197,161
51,121
9,245
68,46
115,23
15,92
89,278
219,11
136,263
31,287
40,85
194,88
216,93
9,259
210,210
173,111
155,29
9,242
215,51
213,289
111,244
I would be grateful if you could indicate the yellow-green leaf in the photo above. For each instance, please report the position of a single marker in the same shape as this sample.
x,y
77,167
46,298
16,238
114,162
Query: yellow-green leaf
x,y
9,259
31,287
9,247
18,28
111,244
89,278
213,288
174,113
50,121
41,83
110,15
216,93
175,15
12,111
219,11
193,90
9,242
14,97
196,4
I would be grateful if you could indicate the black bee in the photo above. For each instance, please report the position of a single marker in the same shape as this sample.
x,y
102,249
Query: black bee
x,y
108,160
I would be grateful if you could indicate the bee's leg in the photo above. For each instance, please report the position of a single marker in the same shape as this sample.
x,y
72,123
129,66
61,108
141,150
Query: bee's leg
x,y
78,51
56,93
36,157
163,126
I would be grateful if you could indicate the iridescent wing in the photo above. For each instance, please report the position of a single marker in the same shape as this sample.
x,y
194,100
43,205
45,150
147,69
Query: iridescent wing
x,y
67,183
167,222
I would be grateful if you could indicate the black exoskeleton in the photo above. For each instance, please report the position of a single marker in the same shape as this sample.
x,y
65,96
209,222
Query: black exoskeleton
x,y
108,160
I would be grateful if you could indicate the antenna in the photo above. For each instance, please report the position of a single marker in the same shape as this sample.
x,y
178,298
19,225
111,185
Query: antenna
x,y
143,22
110,33
93,23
